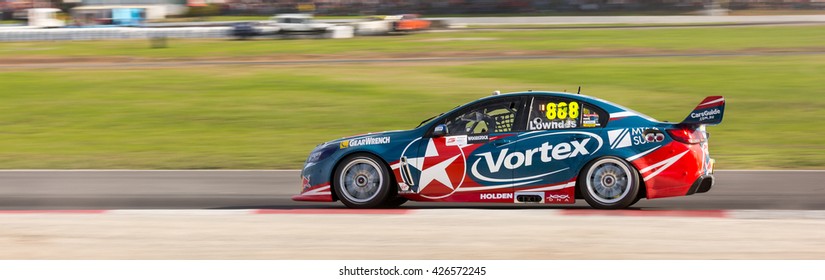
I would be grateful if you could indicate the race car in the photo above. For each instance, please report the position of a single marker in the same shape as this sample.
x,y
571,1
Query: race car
x,y
408,22
525,147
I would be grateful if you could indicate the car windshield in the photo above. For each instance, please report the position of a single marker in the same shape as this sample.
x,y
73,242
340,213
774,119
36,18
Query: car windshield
x,y
433,117
428,119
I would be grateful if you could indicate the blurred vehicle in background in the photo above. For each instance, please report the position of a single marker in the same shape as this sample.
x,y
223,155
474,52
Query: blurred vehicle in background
x,y
373,25
299,23
408,22
246,30
44,18
291,24
528,147
383,25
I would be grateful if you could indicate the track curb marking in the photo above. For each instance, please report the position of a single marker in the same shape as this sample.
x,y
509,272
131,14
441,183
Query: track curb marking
x,y
69,211
334,211
648,213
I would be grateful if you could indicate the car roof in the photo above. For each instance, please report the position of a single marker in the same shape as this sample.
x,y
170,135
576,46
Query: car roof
x,y
608,106
586,98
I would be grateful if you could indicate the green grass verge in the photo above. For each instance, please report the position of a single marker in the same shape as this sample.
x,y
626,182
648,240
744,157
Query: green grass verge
x,y
228,117
271,117
450,43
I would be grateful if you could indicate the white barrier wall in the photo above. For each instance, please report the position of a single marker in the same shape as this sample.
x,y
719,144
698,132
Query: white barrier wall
x,y
109,33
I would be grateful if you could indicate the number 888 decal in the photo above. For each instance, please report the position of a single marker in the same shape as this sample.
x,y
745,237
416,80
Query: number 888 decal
x,y
561,110
554,115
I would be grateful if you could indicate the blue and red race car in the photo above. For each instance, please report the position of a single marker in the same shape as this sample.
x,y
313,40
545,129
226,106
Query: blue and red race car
x,y
527,147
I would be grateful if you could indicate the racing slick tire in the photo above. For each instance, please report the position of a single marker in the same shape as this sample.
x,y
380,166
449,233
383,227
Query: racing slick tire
x,y
609,183
635,200
362,181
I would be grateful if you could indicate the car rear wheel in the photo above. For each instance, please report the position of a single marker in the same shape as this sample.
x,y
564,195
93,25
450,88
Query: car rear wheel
x,y
609,183
362,181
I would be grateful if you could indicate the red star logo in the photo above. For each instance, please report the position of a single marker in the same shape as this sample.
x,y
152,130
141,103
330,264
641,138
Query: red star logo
x,y
443,169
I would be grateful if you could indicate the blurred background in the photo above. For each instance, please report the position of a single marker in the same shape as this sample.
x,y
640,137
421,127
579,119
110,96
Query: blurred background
x,y
256,84
176,8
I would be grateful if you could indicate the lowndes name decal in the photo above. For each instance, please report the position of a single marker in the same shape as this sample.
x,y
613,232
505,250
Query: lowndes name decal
x,y
364,141
554,115
539,124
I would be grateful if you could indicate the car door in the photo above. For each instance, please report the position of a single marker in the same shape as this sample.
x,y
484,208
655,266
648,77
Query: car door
x,y
559,139
457,166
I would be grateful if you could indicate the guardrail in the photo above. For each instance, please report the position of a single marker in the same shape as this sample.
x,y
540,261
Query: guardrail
x,y
159,30
110,33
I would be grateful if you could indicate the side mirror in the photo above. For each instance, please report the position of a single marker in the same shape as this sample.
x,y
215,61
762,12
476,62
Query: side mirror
x,y
440,130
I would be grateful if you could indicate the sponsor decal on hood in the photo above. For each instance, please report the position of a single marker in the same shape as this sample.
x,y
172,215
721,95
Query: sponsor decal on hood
x,y
364,141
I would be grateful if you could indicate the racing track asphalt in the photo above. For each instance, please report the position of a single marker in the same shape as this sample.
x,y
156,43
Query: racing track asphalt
x,y
227,189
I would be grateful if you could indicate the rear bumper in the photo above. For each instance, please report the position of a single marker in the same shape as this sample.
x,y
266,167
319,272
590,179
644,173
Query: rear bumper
x,y
702,184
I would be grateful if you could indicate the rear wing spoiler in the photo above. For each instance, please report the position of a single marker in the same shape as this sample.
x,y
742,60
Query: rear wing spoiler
x,y
708,112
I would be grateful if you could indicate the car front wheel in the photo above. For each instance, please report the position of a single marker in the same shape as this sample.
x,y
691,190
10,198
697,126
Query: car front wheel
x,y
362,181
609,183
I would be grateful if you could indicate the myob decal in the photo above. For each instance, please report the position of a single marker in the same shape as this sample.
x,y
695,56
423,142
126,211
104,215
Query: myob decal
x,y
619,138
509,159
364,141
626,137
